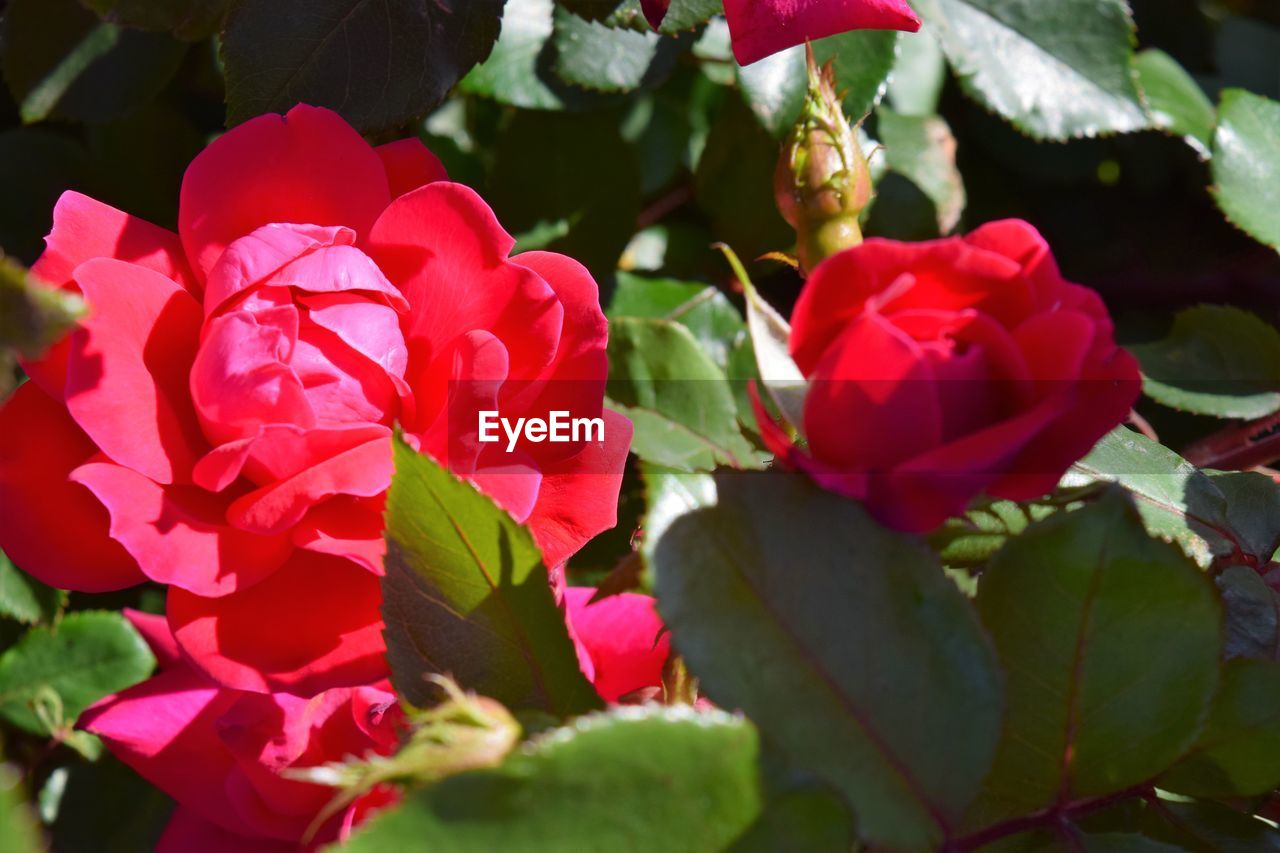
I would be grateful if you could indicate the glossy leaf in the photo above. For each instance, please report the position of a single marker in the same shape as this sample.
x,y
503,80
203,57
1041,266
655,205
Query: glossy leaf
x,y
54,673
922,150
466,594
1252,614
1217,360
1055,70
1246,164
858,626
377,64
190,20
1110,641
1176,101
25,599
672,779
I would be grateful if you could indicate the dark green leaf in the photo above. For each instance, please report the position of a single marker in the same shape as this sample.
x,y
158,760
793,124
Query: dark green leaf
x,y
813,820
1238,753
24,598
574,171
1110,641
61,61
1217,360
703,310
669,495
105,807
609,59
54,673
831,644
1252,614
466,594
922,150
1209,514
191,20
661,779
775,86
1246,164
377,64
1176,101
686,14
1056,70
680,402
1208,828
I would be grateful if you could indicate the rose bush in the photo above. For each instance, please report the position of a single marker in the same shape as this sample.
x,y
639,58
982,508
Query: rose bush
x,y
225,755
946,369
221,420
760,28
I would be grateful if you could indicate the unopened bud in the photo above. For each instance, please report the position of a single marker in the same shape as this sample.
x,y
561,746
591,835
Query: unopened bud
x,y
822,183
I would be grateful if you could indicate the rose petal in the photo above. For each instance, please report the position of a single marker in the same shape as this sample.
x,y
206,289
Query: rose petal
x,y
624,638
179,534
154,628
410,165
579,496
53,528
129,366
187,832
313,624
309,166
345,527
763,27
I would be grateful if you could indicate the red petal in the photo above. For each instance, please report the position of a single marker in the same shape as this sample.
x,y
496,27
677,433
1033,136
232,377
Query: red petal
x,y
187,832
308,167
441,234
579,495
410,165
127,379
313,624
763,27
54,528
623,636
154,628
179,534
345,527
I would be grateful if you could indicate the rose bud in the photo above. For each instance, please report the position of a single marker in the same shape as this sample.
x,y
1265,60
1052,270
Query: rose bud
x,y
822,182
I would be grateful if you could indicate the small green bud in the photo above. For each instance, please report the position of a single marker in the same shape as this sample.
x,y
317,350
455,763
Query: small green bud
x,y
822,182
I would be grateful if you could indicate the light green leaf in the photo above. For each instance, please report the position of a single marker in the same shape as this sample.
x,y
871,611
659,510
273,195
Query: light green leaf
x,y
25,599
1246,164
466,594
1175,100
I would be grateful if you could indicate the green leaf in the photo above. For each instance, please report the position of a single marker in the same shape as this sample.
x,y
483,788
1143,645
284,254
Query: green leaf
x,y
812,819
1246,164
775,86
779,374
922,150
466,594
920,72
1175,100
1110,641
974,538
703,310
24,598
105,807
19,832
570,169
1055,70
1209,514
520,71
377,64
680,402
1252,614
831,643
686,14
60,61
54,673
1209,828
609,59
1217,360
1238,753
665,779
670,495
190,20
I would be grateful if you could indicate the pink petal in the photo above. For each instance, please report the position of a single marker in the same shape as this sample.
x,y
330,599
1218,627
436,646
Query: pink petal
x,y
410,165
624,638
53,528
763,27
579,495
313,624
154,628
309,167
179,534
129,367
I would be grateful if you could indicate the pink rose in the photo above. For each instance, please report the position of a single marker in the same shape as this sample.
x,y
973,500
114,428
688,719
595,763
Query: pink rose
x,y
942,370
221,421
760,28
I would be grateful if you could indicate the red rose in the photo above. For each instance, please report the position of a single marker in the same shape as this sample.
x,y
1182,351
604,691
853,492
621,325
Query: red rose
x,y
760,28
221,421
942,370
